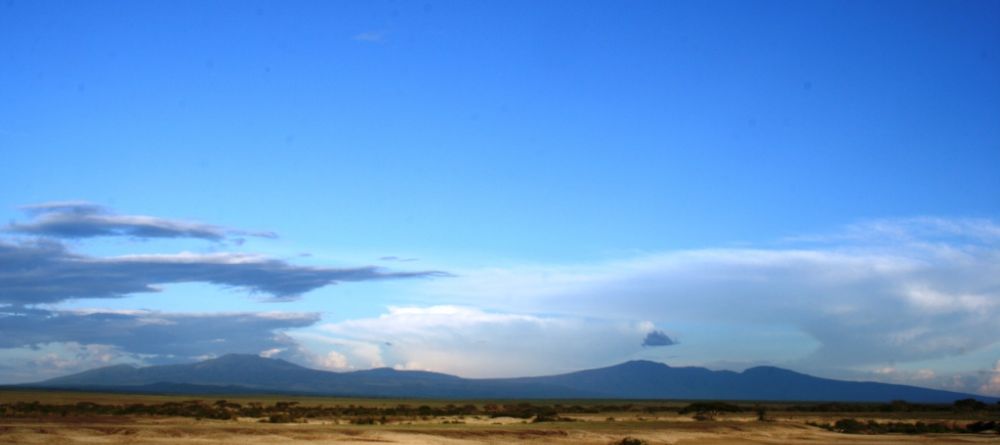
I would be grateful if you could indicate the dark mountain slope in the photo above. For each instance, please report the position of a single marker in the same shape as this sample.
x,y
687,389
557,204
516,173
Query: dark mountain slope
x,y
644,379
631,380
279,376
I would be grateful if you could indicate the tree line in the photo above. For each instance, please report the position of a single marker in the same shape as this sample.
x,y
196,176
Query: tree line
x,y
280,412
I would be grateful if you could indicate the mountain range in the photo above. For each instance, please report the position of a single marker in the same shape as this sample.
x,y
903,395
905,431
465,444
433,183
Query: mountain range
x,y
237,373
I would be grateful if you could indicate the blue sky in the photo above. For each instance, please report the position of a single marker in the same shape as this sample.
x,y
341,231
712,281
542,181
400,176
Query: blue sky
x,y
590,170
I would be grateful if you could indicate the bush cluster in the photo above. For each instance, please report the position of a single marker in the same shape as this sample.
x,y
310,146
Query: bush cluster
x,y
709,410
855,426
282,412
897,406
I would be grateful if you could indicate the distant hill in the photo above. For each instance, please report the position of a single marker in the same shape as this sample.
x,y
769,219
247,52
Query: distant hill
x,y
236,373
258,374
645,379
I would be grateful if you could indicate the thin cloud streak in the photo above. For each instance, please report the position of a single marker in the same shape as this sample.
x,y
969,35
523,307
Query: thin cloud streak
x,y
81,219
369,36
41,271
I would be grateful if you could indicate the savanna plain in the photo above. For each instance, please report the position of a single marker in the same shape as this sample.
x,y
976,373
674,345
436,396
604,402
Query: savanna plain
x,y
54,417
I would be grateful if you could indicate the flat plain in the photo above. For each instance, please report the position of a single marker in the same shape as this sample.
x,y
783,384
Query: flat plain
x,y
47,417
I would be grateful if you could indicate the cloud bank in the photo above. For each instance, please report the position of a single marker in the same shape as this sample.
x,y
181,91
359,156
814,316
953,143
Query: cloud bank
x,y
178,335
862,301
475,343
39,271
38,344
930,291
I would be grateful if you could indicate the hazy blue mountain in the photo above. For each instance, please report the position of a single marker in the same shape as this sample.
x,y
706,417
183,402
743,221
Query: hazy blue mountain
x,y
632,380
274,375
645,379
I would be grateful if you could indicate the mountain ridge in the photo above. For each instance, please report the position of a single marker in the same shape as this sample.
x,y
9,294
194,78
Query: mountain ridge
x,y
636,379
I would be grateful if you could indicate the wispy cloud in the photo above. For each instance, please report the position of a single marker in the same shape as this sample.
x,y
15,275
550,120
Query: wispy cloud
x,y
81,219
396,258
921,229
369,36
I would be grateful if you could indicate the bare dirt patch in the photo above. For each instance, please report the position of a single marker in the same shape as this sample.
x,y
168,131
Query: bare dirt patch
x,y
186,431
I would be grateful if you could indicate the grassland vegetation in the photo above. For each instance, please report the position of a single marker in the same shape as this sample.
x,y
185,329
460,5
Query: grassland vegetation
x,y
52,417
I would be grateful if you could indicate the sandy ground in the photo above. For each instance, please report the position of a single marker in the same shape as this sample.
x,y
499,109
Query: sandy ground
x,y
118,430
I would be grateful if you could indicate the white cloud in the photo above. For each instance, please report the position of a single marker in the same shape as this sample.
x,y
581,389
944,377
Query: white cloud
x,y
916,229
357,354
333,360
56,359
875,301
270,353
932,290
985,382
475,343
992,385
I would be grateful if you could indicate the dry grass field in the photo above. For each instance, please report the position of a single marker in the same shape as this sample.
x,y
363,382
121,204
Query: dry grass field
x,y
642,422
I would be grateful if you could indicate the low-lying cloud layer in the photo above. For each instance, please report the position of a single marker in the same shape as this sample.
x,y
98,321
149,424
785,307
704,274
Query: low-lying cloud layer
x,y
859,303
925,289
475,343
39,344
37,271
183,336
